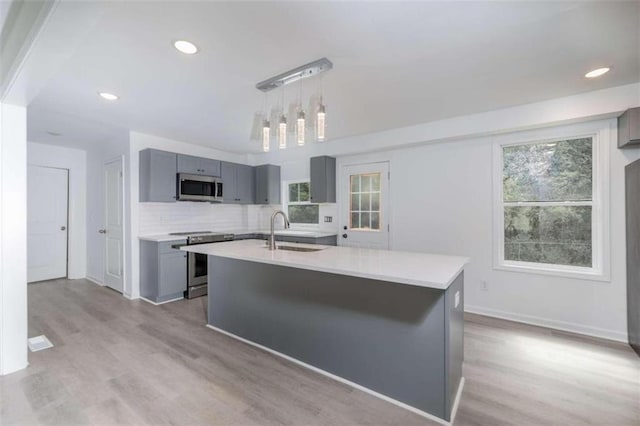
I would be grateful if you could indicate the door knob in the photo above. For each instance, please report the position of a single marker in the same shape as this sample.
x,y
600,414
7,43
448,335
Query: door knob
x,y
62,228
344,235
344,227
102,231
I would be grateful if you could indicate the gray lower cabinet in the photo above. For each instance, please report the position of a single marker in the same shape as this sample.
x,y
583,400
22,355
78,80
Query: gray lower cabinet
x,y
198,165
239,183
323,179
402,341
267,184
157,176
163,271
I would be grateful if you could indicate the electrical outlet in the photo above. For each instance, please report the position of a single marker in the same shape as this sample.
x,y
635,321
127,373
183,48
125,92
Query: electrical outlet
x,y
328,219
484,286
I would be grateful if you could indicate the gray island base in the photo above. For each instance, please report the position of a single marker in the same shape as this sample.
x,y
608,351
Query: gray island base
x,y
401,342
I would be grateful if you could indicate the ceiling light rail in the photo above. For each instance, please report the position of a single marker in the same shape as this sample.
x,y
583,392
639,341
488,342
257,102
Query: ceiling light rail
x,y
309,70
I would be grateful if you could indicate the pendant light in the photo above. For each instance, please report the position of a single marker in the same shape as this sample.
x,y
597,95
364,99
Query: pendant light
x,y
300,124
320,122
266,125
300,127
299,120
282,126
266,131
282,132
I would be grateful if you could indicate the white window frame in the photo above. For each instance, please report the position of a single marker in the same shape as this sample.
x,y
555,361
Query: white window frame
x,y
286,203
601,134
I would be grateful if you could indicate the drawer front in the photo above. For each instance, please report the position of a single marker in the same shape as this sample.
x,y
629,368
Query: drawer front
x,y
166,246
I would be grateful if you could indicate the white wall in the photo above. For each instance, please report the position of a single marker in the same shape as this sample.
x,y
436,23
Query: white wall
x,y
13,238
441,202
76,162
138,142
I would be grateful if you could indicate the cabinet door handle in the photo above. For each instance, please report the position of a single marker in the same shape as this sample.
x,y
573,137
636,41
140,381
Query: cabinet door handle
x,y
63,228
102,231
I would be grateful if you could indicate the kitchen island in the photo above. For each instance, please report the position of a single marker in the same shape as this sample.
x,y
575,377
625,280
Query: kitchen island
x,y
387,322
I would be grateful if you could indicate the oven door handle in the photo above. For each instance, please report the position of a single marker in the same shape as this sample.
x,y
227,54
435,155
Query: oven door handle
x,y
196,287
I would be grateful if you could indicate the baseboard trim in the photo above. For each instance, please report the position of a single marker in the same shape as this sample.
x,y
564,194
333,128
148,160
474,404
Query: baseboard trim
x,y
456,403
547,323
160,303
94,280
13,369
350,383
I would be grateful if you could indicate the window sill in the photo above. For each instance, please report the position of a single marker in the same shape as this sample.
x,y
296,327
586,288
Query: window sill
x,y
578,274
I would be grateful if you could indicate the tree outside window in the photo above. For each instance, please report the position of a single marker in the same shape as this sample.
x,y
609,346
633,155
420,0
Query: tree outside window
x,y
299,209
547,201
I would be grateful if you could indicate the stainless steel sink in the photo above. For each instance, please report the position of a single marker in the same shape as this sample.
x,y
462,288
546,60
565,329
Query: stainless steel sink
x,y
303,249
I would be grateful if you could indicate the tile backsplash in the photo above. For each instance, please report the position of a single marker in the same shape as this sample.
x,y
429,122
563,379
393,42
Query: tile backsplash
x,y
162,218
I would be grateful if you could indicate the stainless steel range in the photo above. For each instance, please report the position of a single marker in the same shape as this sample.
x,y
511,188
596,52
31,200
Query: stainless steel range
x,y
197,274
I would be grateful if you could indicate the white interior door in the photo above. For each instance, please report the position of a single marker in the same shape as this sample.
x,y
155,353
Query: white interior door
x,y
47,204
114,228
364,216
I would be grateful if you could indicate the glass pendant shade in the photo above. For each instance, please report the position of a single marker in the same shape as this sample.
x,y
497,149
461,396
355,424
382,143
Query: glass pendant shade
x,y
282,132
266,130
320,124
300,129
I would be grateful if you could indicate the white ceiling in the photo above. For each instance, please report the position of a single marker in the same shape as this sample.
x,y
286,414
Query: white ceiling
x,y
395,63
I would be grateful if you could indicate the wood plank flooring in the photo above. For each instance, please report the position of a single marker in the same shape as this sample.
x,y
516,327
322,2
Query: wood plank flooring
x,y
118,361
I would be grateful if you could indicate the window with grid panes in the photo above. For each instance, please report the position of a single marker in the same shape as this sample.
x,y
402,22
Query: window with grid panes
x,y
364,207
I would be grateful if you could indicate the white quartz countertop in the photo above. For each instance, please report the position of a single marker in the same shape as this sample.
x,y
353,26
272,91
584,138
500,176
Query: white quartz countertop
x,y
292,232
418,269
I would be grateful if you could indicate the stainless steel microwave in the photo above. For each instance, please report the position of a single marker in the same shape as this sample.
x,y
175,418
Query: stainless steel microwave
x,y
199,188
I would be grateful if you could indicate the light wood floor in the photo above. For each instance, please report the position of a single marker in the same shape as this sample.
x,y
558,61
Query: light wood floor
x,y
118,361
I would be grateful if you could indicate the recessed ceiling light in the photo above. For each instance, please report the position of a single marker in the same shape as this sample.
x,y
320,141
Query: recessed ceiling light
x,y
186,47
53,133
108,96
597,72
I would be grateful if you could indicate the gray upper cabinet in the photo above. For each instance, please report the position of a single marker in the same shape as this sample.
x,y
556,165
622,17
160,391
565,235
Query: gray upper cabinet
x,y
267,184
229,182
323,179
629,128
239,183
198,165
157,178
246,184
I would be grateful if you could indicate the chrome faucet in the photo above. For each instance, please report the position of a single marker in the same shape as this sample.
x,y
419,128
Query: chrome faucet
x,y
272,236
